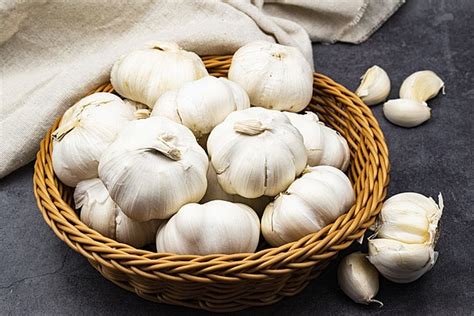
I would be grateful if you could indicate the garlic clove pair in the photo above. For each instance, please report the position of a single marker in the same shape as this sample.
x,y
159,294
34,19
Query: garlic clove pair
x,y
421,86
400,262
406,112
358,278
375,86
274,76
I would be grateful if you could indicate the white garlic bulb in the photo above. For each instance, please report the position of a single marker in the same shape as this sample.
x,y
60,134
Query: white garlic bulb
x,y
275,76
215,192
202,104
214,227
310,203
324,145
144,75
358,278
421,86
374,87
406,113
401,262
410,218
154,167
85,131
256,152
100,213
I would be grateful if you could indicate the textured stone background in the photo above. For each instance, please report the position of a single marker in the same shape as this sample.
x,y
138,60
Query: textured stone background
x,y
40,275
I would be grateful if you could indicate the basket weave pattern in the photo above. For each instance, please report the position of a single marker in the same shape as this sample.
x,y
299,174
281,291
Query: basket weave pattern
x,y
232,282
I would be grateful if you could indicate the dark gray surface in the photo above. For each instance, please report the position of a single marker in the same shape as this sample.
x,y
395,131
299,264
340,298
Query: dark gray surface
x,y
41,275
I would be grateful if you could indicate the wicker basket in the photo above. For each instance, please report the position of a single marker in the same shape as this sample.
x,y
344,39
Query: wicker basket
x,y
233,282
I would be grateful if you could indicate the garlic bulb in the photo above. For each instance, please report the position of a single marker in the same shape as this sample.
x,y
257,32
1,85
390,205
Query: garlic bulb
x,y
85,131
202,104
324,145
358,278
374,87
256,152
400,262
421,86
144,75
406,113
214,227
310,203
154,167
215,192
100,213
275,76
410,218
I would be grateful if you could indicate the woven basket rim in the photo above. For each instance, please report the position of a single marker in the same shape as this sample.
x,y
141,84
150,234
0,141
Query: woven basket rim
x,y
303,253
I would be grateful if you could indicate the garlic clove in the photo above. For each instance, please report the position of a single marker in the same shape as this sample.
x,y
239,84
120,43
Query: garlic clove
x,y
410,218
375,86
421,86
406,113
358,278
400,262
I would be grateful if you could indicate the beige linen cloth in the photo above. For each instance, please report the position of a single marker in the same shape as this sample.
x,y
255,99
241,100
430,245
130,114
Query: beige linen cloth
x,y
54,51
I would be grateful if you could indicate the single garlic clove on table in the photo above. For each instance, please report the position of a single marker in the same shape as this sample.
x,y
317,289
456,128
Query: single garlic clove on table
x,y
374,87
358,278
421,86
406,113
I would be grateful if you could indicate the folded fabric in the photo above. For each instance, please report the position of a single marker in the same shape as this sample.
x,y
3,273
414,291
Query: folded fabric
x,y
54,52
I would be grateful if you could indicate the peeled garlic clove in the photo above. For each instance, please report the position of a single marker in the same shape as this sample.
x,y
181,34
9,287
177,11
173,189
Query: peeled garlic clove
x,y
309,204
406,113
400,262
256,152
374,87
215,192
274,76
410,218
358,278
421,86
214,227
202,104
100,213
144,75
85,131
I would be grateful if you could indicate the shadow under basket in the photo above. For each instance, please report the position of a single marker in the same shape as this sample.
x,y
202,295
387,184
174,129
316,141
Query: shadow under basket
x,y
233,282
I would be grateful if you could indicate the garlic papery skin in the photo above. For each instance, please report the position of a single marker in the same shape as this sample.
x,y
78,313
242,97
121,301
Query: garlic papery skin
x,y
256,152
100,213
358,278
313,201
324,145
400,262
144,75
275,76
374,87
202,104
410,218
421,86
85,131
406,113
154,167
142,111
216,227
215,192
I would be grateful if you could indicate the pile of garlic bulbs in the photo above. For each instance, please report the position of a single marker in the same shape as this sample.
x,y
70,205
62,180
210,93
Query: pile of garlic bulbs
x,y
192,162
